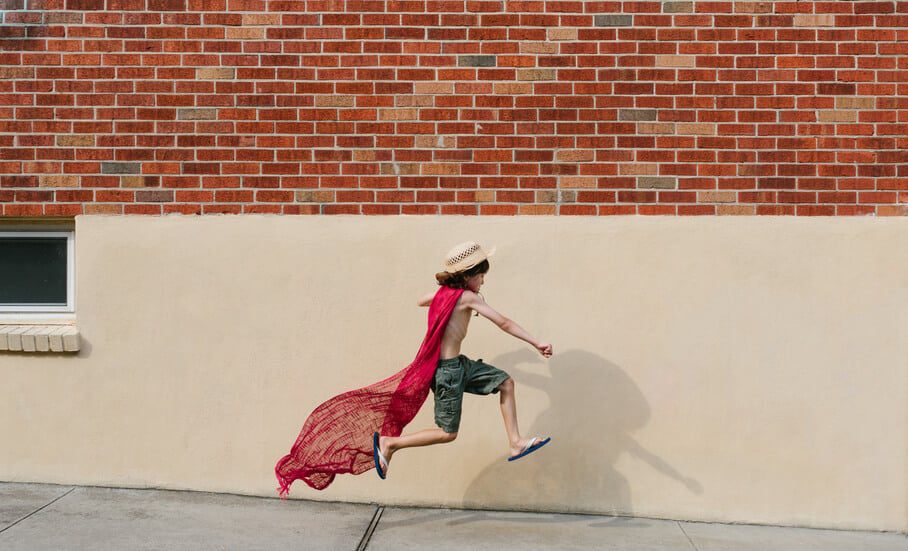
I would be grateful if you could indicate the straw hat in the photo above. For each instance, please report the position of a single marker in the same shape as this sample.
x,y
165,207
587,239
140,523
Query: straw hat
x,y
464,256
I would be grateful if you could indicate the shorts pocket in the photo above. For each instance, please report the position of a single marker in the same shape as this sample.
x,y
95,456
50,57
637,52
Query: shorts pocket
x,y
449,377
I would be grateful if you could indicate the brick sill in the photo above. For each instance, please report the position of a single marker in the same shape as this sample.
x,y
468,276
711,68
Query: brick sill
x,y
39,338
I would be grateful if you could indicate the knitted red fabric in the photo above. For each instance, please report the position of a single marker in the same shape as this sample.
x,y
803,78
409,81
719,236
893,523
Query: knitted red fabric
x,y
337,436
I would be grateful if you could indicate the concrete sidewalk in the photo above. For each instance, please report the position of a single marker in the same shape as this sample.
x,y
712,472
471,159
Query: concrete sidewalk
x,y
42,516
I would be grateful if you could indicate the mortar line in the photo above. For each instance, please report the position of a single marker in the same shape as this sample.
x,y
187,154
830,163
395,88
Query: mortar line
x,y
690,541
367,536
38,509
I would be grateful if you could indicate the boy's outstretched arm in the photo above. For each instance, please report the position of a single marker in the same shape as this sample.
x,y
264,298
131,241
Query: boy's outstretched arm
x,y
507,325
427,299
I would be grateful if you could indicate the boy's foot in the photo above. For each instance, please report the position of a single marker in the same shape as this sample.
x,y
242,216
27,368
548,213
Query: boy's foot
x,y
528,446
384,448
381,462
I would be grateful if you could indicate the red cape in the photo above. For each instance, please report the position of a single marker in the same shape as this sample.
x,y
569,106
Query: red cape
x,y
337,436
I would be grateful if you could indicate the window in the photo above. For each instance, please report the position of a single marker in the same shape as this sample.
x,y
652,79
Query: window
x,y
36,273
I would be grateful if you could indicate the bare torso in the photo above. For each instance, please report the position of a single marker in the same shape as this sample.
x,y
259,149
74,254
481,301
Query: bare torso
x,y
455,331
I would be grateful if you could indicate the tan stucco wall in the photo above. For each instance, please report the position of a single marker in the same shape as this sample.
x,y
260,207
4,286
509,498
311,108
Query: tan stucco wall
x,y
735,369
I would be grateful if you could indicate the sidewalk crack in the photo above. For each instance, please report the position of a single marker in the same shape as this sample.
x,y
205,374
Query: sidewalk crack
x,y
38,510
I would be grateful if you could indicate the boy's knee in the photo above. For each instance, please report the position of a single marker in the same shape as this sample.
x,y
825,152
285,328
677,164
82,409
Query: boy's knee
x,y
449,437
507,385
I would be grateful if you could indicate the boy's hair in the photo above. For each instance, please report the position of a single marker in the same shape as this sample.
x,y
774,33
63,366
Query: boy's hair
x,y
459,280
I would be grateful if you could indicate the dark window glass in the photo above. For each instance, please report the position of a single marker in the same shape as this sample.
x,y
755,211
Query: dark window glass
x,y
33,270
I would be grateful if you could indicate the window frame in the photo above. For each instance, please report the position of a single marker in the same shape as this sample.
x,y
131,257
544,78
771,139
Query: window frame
x,y
25,312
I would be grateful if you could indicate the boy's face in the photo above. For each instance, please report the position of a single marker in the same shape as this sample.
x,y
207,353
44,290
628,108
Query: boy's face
x,y
475,282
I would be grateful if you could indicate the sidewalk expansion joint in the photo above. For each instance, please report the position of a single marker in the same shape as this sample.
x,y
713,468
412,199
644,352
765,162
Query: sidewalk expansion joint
x,y
690,541
363,543
38,510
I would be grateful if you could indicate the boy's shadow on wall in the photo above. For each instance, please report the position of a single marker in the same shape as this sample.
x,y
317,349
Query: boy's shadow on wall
x,y
594,408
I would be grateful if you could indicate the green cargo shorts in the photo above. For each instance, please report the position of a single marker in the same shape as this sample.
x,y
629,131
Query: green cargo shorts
x,y
453,377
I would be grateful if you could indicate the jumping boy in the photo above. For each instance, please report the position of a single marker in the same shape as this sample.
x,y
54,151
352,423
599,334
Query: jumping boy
x,y
465,268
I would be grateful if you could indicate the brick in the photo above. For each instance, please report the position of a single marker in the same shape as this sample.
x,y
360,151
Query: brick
x,y
139,181
613,20
476,61
822,20
753,7
567,196
398,114
314,196
212,73
660,182
663,128
71,339
677,7
638,169
58,181
485,196
399,169
154,196
244,33
435,142
537,210
103,209
28,339
414,101
892,210
676,61
438,169
716,196
698,129
197,114
513,88
335,101
837,116
536,74
636,114
261,19
75,140
540,47
736,210
560,33
578,181
14,337
120,168
433,88
577,155
855,102
546,196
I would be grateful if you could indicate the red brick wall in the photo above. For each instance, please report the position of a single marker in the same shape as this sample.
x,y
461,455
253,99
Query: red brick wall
x,y
453,107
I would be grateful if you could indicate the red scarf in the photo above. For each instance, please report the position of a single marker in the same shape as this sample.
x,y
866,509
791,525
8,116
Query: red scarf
x,y
337,436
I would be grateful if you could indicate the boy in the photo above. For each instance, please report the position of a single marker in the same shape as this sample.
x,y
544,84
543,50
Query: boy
x,y
465,269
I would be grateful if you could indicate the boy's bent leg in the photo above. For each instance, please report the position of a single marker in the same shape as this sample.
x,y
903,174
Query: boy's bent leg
x,y
388,444
508,402
509,414
487,379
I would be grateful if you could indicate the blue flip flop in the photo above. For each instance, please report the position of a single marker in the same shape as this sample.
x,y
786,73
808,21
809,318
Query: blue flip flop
x,y
534,445
377,456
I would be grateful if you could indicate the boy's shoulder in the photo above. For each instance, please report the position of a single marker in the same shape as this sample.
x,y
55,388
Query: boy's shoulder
x,y
469,294
469,297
